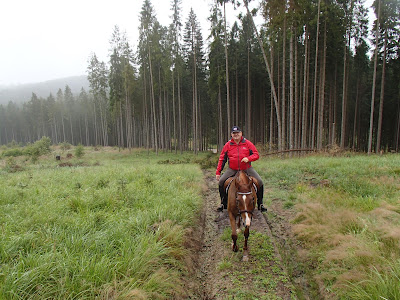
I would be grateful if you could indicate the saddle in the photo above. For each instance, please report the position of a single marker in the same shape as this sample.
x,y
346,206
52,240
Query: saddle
x,y
229,180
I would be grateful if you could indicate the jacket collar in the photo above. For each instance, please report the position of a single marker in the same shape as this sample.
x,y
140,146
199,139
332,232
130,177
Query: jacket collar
x,y
232,142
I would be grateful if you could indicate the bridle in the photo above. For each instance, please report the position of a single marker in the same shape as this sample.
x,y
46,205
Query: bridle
x,y
243,194
237,203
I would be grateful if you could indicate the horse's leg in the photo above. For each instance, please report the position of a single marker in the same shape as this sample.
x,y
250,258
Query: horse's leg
x,y
232,220
245,248
238,225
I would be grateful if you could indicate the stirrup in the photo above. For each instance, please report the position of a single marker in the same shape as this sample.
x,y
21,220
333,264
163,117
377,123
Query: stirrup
x,y
220,208
262,208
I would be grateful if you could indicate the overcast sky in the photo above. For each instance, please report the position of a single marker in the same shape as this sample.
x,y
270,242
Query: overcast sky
x,y
48,39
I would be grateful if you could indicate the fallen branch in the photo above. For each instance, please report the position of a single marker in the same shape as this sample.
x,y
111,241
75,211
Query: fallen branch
x,y
290,150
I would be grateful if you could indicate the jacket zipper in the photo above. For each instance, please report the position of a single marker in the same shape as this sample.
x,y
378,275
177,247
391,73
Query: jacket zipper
x,y
238,156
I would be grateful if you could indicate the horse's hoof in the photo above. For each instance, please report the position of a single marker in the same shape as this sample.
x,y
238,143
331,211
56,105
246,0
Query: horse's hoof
x,y
245,258
235,248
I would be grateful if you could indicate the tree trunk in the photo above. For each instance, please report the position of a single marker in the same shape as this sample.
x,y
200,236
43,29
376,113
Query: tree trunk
x,y
315,80
71,129
63,127
322,96
284,85
398,128
343,123
305,94
87,130
270,77
271,117
228,106
153,103
291,95
55,129
371,119
174,112
220,130
194,109
237,95
128,117
356,114
180,115
248,110
161,128
296,97
121,125
96,137
146,127
379,133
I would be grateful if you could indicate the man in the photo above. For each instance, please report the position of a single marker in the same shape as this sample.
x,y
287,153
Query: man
x,y
239,152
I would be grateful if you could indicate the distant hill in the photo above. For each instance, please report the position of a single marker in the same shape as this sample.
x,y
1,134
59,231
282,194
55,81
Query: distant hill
x,y
23,93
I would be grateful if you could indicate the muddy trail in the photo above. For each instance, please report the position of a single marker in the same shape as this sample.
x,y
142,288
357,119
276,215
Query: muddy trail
x,y
220,273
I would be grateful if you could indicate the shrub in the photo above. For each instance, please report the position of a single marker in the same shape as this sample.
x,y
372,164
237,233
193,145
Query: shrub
x,y
208,162
43,145
14,152
65,146
35,153
38,148
12,144
79,151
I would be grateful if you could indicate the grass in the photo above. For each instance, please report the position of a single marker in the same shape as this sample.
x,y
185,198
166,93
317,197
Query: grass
x,y
110,225
261,277
379,285
347,217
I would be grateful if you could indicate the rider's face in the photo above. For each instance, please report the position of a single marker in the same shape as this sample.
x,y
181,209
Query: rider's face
x,y
236,135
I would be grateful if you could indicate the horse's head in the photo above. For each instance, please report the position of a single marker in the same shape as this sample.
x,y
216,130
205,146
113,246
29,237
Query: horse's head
x,y
245,197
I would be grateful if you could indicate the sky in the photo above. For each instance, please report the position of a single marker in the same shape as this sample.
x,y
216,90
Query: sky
x,y
42,40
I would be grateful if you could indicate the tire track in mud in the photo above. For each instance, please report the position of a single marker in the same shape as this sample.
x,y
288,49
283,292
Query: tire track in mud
x,y
220,272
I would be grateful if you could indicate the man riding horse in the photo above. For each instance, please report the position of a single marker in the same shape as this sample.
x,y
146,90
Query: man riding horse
x,y
239,152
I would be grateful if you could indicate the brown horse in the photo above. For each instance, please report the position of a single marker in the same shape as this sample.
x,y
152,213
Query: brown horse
x,y
242,200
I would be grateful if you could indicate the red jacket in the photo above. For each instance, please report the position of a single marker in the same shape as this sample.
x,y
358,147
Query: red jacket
x,y
234,153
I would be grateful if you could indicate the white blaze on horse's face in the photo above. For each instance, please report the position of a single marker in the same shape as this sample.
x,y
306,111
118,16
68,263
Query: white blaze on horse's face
x,y
247,220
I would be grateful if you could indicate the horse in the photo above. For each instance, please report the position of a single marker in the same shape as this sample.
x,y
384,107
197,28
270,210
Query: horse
x,y
242,199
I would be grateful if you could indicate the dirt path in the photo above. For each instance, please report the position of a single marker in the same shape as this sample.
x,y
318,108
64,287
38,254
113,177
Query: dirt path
x,y
221,273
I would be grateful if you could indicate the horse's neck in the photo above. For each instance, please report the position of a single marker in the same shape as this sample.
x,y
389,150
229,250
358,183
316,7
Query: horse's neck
x,y
243,178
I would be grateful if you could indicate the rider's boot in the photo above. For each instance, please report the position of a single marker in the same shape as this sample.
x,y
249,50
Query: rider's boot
x,y
260,195
223,198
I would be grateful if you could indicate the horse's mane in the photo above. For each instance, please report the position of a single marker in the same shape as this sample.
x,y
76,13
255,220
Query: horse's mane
x,y
243,177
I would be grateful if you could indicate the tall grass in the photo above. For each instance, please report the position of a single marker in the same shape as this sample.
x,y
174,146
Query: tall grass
x,y
109,226
379,285
347,216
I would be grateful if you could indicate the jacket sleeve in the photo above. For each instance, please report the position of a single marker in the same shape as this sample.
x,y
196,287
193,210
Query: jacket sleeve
x,y
222,159
253,152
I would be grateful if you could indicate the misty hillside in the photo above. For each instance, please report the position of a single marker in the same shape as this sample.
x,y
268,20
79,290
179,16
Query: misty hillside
x,y
22,93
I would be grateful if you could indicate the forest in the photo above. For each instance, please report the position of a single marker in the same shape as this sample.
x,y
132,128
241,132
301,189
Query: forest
x,y
312,76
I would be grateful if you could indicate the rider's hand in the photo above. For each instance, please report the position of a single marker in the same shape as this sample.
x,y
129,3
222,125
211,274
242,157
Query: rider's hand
x,y
218,177
245,159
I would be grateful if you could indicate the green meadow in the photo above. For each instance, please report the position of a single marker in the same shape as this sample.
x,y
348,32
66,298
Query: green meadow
x,y
108,225
112,224
346,215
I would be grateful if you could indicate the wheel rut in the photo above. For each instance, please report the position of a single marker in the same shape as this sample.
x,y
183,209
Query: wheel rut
x,y
220,273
